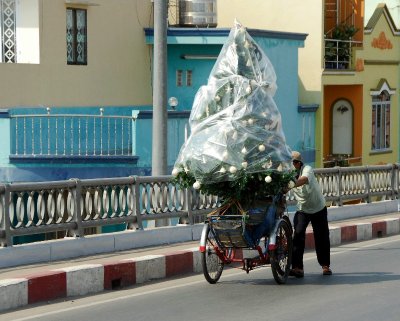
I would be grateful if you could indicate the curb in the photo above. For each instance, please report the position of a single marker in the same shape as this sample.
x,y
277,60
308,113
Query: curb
x,y
94,278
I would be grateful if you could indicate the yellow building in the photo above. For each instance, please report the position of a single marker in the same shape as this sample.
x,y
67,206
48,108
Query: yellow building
x,y
113,70
339,67
360,115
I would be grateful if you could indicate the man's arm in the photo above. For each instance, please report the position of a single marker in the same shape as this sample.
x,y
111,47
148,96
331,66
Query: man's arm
x,y
301,181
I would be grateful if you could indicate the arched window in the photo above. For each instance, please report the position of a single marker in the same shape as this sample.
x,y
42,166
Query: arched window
x,y
380,131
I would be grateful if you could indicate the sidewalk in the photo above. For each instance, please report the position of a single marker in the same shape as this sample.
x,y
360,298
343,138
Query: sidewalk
x,y
43,282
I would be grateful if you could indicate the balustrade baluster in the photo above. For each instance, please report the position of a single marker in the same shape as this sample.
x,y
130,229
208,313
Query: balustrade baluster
x,y
101,131
79,137
72,136
40,136
87,137
56,138
64,135
94,136
16,136
33,137
122,137
48,130
24,135
129,137
108,137
115,136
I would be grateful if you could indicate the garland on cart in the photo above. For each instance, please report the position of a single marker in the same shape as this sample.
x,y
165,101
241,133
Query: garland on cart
x,y
237,149
245,187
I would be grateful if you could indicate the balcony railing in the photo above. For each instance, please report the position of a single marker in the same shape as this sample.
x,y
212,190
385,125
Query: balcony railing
x,y
339,54
71,135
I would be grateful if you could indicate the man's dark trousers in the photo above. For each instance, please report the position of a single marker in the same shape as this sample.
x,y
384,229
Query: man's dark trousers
x,y
319,222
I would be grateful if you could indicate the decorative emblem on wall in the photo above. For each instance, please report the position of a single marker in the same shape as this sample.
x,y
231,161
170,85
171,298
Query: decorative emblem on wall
x,y
381,42
342,109
360,64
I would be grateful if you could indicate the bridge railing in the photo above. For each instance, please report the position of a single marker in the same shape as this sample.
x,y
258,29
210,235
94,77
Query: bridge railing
x,y
77,207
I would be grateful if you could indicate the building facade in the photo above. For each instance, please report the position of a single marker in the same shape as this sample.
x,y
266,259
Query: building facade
x,y
360,89
75,74
67,75
79,53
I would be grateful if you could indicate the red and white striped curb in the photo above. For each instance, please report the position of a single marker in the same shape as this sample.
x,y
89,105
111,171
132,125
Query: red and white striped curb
x,y
93,278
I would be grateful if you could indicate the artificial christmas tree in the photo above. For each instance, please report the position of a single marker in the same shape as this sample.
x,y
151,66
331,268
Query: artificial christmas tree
x,y
237,148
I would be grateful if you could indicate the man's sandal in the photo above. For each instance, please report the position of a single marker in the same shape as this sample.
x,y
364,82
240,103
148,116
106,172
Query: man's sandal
x,y
326,270
296,272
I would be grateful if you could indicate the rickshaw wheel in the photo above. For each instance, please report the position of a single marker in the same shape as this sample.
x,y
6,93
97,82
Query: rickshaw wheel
x,y
281,256
210,261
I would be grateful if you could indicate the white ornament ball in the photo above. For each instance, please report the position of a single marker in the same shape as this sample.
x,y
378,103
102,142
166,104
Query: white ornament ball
x,y
250,121
244,165
217,98
244,150
196,185
175,172
261,148
232,169
222,170
268,179
253,85
248,90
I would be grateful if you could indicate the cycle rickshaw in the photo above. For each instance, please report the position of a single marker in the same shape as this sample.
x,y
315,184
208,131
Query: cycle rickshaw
x,y
267,230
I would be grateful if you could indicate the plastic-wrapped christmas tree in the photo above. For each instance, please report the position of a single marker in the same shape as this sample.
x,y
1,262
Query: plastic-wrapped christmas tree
x,y
236,132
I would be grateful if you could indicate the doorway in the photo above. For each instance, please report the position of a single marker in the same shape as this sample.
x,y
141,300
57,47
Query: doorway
x,y
342,128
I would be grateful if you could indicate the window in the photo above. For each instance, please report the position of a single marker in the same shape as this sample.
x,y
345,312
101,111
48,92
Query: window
x,y
179,78
381,121
19,32
188,78
76,37
8,31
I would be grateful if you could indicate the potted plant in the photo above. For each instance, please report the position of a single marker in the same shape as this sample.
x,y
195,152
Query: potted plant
x,y
338,47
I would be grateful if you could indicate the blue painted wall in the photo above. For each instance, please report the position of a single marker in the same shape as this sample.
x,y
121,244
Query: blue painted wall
x,y
5,135
281,49
177,121
200,68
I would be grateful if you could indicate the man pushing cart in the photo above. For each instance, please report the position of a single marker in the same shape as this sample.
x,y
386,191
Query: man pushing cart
x,y
237,151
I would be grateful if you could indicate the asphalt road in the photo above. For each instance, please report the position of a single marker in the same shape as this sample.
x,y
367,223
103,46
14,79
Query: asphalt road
x,y
365,286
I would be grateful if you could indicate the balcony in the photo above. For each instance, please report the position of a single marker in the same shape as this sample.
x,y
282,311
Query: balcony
x,y
339,54
72,137
339,48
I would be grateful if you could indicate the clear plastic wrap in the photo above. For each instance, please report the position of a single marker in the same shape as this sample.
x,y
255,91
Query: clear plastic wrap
x,y
235,123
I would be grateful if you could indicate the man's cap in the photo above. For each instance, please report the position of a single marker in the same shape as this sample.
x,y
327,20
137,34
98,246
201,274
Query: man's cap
x,y
296,156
